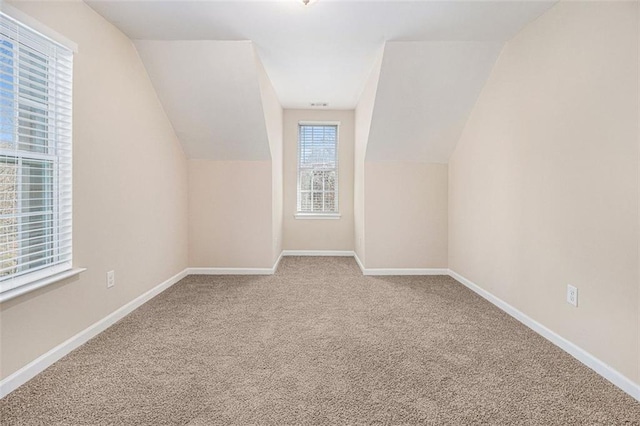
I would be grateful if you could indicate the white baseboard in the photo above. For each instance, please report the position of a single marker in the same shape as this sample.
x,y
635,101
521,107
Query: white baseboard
x,y
577,352
405,271
230,271
29,371
370,271
275,265
236,271
347,253
399,271
359,262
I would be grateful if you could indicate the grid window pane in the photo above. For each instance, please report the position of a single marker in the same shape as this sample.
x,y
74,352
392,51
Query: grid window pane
x,y
329,200
33,132
330,181
317,201
37,186
306,201
35,156
318,177
8,222
317,168
36,230
306,177
7,82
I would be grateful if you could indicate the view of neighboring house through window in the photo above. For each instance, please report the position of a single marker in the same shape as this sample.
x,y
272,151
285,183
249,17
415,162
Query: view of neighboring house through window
x,y
317,168
35,156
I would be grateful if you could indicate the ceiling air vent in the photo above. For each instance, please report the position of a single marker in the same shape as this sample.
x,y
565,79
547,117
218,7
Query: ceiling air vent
x,y
319,104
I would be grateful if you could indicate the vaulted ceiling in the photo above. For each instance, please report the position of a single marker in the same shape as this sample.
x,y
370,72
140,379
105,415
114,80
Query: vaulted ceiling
x,y
210,92
425,93
194,53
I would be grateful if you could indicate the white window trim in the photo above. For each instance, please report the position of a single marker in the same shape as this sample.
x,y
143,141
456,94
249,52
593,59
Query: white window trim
x,y
40,278
319,123
319,215
34,285
316,216
38,26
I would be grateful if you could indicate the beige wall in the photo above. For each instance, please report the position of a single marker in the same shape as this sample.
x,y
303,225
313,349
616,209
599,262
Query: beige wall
x,y
400,208
273,116
406,215
304,234
130,191
362,118
544,182
230,207
235,207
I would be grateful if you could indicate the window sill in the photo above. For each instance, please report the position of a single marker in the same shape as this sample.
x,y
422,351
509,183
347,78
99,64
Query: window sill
x,y
318,216
27,288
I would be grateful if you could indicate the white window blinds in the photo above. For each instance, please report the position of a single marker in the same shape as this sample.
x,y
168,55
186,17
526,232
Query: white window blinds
x,y
35,155
317,168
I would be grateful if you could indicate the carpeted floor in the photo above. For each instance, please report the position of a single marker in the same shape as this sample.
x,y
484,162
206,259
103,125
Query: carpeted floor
x,y
318,343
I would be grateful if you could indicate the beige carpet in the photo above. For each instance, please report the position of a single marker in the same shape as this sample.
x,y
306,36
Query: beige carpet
x,y
318,343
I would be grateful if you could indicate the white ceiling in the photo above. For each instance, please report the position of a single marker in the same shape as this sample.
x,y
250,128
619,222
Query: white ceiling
x,y
211,93
323,52
426,91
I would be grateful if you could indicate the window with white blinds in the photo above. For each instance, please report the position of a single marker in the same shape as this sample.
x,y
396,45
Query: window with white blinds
x,y
318,168
35,156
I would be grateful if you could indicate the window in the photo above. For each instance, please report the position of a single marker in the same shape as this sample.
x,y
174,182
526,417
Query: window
x,y
35,156
317,169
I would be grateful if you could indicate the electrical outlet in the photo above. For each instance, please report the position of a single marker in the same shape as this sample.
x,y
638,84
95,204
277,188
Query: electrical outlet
x,y
572,295
111,279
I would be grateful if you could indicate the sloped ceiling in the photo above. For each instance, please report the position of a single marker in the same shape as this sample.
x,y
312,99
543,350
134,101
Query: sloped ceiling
x,y
203,67
210,91
426,91
323,52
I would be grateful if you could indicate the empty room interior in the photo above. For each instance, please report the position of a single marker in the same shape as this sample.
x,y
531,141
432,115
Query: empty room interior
x,y
319,212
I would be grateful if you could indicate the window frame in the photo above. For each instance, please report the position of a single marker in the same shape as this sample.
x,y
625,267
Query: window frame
x,y
59,183
334,215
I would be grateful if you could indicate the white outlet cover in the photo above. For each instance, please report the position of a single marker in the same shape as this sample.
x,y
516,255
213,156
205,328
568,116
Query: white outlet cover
x,y
111,279
572,295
